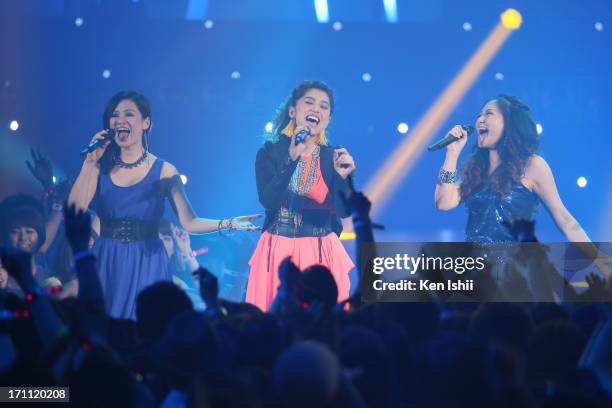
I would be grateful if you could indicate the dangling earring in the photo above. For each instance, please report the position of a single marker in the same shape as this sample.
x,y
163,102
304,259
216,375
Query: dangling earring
x,y
145,141
323,138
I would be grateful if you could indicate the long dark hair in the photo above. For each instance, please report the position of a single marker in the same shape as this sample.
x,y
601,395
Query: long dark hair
x,y
519,141
282,118
111,155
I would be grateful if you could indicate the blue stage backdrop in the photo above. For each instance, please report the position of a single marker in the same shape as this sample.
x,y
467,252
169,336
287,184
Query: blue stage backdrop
x,y
215,75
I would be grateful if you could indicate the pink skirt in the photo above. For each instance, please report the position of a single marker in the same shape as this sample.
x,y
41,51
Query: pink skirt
x,y
304,252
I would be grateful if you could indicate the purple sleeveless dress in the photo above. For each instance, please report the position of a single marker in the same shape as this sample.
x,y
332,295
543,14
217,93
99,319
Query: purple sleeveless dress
x,y
127,268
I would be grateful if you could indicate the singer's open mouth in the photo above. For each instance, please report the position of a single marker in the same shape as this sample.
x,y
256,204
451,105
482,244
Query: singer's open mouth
x,y
483,131
313,119
122,132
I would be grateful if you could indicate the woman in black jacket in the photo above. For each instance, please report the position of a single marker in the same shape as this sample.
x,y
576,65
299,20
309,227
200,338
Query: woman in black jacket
x,y
299,182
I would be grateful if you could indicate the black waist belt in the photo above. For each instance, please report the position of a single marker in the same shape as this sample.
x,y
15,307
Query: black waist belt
x,y
128,230
297,224
292,231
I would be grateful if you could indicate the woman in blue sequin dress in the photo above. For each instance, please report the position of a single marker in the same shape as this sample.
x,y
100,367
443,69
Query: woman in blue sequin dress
x,y
504,179
128,186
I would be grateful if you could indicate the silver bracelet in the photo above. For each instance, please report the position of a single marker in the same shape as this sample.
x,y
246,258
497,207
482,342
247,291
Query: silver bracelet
x,y
229,226
447,177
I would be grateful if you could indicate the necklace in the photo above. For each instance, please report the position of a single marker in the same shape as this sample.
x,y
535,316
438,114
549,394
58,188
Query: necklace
x,y
305,174
137,163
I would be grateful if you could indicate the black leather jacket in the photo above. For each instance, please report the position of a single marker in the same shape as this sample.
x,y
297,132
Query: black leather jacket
x,y
273,170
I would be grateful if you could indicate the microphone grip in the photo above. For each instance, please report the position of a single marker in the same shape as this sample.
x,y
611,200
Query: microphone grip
x,y
98,142
301,136
448,139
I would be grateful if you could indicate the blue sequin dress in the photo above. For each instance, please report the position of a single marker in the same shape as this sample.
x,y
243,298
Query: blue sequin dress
x,y
488,210
127,268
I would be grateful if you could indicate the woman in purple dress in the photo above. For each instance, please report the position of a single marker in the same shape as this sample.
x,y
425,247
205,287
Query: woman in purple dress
x,y
128,186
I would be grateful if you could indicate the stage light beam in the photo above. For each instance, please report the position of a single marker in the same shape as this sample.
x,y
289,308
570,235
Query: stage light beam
x,y
322,11
390,10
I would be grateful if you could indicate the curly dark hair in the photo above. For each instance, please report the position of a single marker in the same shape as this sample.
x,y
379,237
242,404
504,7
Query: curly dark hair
x,y
519,141
281,120
110,156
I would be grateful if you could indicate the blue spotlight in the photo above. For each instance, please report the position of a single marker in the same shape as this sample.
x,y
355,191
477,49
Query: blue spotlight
x,y
390,10
322,11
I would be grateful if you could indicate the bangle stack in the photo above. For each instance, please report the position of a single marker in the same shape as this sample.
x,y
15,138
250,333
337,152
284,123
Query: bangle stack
x,y
225,224
447,177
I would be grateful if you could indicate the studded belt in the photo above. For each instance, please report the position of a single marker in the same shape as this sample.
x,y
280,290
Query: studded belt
x,y
305,223
128,230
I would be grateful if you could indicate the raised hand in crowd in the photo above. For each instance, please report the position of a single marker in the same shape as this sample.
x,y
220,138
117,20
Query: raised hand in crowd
x,y
18,264
597,290
41,168
183,244
358,205
78,228
209,287
285,303
54,196
59,193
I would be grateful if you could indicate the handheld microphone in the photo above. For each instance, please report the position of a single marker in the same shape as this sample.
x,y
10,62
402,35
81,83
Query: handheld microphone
x,y
301,136
448,139
98,142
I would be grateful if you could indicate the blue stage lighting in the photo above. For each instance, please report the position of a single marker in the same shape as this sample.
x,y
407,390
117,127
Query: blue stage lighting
x,y
322,11
390,10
